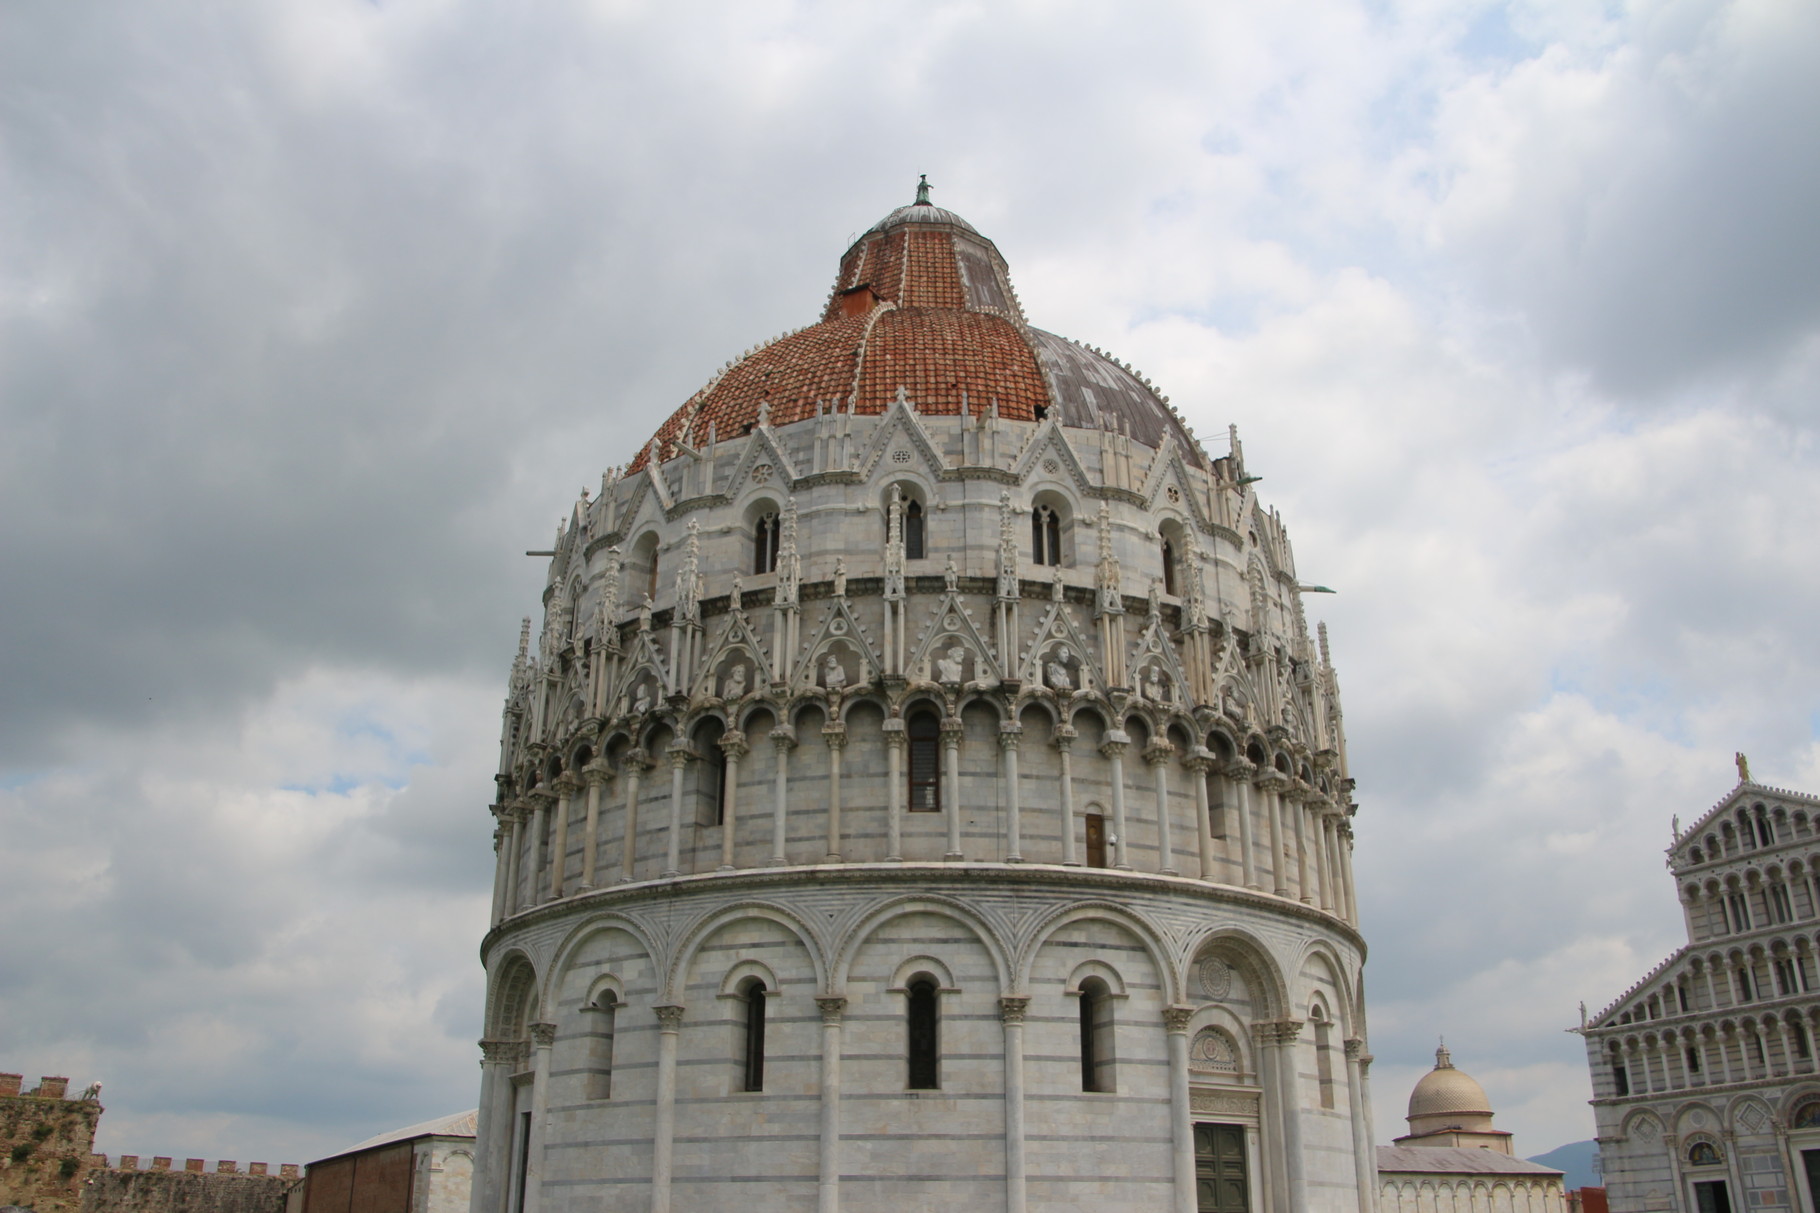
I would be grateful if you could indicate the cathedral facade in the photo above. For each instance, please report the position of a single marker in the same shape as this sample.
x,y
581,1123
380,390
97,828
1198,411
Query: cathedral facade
x,y
1705,1085
924,792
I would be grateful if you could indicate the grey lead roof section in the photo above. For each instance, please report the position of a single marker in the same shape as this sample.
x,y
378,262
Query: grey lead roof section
x,y
1456,1160
1094,392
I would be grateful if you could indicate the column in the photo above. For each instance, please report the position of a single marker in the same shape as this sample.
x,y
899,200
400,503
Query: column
x,y
1064,743
1009,737
951,776
636,765
597,777
566,787
1011,1014
1240,772
541,800
783,740
514,859
836,737
543,1035
680,756
1273,809
1364,1154
1289,1105
1157,754
1347,893
502,864
663,1135
1114,750
1181,1123
828,1186
894,790
1292,799
493,1132
1330,834
1199,762
733,745
1275,1177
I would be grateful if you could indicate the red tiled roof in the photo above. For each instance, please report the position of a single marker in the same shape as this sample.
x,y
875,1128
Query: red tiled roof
x,y
934,330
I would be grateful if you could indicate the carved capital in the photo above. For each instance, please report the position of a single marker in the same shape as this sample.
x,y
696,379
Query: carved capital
x,y
566,784
1240,770
541,798
895,735
1199,760
597,774
669,1017
835,735
733,744
1175,1019
502,1052
832,1009
952,729
543,1035
1114,749
1355,1048
1063,736
637,761
783,738
1011,1010
681,754
1158,751
1276,1033
1010,736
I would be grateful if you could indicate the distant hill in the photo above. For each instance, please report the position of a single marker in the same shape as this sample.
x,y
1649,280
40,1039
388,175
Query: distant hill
x,y
1575,1161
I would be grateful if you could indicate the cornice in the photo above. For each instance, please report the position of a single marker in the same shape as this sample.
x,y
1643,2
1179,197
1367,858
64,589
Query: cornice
x,y
1072,882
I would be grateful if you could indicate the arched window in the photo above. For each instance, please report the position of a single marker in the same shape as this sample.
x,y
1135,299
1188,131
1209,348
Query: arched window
x,y
1045,536
924,1036
1807,1116
1097,1073
601,1014
710,774
1094,827
754,1052
1799,1035
925,736
913,531
1168,568
1703,1154
764,545
1323,1055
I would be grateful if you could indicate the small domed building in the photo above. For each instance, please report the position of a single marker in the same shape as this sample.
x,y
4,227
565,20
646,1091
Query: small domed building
x,y
924,792
1453,1160
1449,1108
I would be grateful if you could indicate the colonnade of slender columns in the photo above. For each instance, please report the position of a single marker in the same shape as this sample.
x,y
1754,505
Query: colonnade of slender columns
x,y
1304,853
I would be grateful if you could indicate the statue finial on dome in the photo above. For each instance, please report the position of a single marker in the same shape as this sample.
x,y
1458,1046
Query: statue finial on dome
x,y
922,190
1443,1059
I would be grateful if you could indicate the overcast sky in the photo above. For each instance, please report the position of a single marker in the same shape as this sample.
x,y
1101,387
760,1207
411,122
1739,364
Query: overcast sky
x,y
315,314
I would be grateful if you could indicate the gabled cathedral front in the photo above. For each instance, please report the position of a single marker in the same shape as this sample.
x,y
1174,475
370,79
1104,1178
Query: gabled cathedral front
x,y
1705,1084
925,793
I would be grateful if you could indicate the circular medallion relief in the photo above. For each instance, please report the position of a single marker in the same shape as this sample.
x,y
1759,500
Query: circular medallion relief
x,y
761,472
900,456
1051,466
1175,495
838,626
1216,978
952,622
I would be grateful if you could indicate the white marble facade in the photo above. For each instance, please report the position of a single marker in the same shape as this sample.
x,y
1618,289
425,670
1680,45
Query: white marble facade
x,y
1705,1083
1095,815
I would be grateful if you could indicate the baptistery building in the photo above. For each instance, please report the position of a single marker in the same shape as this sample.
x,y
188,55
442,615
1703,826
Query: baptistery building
x,y
924,792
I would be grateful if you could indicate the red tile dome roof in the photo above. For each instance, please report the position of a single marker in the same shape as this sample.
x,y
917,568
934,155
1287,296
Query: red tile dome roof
x,y
922,301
